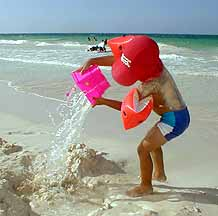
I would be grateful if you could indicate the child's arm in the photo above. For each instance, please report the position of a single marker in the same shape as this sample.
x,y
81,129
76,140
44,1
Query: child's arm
x,y
101,61
108,102
146,89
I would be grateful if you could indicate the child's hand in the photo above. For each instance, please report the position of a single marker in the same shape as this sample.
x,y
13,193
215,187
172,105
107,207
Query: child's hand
x,y
85,66
98,101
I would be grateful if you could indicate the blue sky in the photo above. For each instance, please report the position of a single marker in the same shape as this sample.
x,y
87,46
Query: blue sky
x,y
139,16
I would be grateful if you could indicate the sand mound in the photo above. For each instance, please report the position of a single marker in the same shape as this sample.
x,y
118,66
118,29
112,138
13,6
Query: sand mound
x,y
85,162
82,169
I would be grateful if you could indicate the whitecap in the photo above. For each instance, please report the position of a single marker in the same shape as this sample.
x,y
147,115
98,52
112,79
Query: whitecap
x,y
40,62
37,43
12,42
71,44
172,57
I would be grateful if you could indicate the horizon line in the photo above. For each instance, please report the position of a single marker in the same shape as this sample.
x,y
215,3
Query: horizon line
x,y
137,33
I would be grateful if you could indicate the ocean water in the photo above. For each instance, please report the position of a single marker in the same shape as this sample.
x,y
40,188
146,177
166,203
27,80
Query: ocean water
x,y
41,63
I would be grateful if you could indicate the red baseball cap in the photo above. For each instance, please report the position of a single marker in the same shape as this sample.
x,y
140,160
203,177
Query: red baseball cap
x,y
139,60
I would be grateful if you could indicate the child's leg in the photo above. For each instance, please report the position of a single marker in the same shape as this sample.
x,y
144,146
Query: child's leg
x,y
153,140
157,158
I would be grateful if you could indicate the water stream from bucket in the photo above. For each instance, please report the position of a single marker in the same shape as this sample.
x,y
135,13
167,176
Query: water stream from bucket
x,y
69,131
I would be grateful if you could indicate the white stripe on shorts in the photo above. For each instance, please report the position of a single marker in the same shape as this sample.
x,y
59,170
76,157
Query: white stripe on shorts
x,y
164,128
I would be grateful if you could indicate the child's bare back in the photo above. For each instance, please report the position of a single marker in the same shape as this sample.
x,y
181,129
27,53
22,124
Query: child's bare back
x,y
165,93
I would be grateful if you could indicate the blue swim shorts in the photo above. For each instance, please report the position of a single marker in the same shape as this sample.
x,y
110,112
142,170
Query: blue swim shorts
x,y
172,124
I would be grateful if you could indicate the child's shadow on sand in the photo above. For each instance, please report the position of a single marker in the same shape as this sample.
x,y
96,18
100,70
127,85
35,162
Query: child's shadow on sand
x,y
177,194
202,195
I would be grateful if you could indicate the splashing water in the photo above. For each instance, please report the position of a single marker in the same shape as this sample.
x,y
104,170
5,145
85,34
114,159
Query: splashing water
x,y
70,130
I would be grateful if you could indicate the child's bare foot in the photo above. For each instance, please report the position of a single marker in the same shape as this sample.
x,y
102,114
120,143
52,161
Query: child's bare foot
x,y
140,190
160,178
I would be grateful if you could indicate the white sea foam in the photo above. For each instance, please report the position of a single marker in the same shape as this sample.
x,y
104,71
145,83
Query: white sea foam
x,y
202,74
75,44
172,57
31,61
64,44
169,47
200,59
215,58
37,43
12,42
163,45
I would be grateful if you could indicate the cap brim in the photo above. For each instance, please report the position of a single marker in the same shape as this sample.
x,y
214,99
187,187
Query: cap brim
x,y
122,74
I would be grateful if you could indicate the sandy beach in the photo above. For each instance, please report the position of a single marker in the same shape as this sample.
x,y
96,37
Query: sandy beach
x,y
60,157
190,160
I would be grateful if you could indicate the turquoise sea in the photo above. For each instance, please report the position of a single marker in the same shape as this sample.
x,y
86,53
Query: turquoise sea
x,y
41,63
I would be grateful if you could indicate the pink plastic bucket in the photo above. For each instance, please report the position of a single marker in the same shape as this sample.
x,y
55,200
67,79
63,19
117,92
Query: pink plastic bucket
x,y
93,83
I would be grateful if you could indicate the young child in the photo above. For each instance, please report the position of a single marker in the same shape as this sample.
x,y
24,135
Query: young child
x,y
139,61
